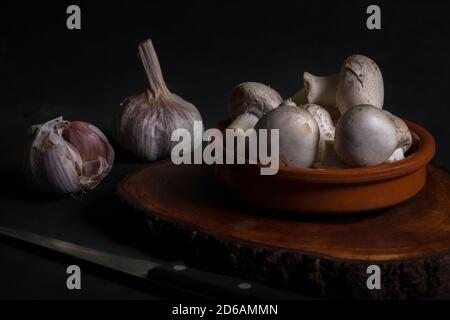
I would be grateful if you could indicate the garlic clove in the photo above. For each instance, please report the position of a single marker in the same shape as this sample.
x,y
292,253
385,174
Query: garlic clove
x,y
88,143
94,169
55,167
56,163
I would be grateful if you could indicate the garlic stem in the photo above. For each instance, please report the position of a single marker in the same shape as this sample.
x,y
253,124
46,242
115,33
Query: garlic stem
x,y
156,85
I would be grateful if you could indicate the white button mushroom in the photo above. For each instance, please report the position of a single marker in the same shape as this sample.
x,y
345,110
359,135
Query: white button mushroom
x,y
404,138
325,124
397,155
365,136
288,102
360,82
249,101
298,133
329,158
321,91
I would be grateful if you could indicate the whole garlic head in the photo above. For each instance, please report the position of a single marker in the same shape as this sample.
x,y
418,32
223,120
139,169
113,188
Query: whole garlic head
x,y
361,82
143,124
69,157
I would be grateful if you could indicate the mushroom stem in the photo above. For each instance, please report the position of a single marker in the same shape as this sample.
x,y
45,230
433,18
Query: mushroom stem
x,y
329,158
404,138
244,121
155,80
322,91
397,155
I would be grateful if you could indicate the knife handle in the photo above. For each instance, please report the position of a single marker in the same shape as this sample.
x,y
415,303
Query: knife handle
x,y
214,285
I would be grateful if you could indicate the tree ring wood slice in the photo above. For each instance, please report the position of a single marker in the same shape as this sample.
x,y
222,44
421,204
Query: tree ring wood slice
x,y
191,214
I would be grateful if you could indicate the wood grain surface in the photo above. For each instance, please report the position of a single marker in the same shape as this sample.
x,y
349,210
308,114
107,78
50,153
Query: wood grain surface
x,y
189,212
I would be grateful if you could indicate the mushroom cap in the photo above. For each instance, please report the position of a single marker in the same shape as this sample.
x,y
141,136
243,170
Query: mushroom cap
x,y
404,138
325,124
288,102
298,135
365,136
253,97
323,119
361,82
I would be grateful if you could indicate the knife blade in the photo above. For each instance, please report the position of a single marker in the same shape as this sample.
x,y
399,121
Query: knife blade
x,y
172,274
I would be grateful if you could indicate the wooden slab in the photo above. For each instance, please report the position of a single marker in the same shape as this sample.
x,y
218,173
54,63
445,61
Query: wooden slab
x,y
189,212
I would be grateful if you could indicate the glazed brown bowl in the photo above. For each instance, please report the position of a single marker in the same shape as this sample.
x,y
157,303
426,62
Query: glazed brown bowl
x,y
333,191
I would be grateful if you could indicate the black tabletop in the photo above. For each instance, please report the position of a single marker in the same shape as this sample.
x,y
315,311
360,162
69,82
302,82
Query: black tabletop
x,y
205,48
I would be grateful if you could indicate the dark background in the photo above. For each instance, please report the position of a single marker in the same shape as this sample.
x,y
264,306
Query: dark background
x,y
205,48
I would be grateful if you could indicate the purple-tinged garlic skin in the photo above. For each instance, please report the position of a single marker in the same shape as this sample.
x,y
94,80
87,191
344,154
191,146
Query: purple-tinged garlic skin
x,y
68,157
249,101
144,123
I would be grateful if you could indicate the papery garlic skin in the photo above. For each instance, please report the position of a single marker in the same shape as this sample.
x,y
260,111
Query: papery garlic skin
x,y
145,128
144,123
68,157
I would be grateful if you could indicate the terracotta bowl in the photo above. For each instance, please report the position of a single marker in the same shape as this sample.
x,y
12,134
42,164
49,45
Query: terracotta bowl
x,y
334,191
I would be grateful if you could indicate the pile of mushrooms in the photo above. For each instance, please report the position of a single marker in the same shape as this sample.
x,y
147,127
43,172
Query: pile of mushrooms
x,y
335,121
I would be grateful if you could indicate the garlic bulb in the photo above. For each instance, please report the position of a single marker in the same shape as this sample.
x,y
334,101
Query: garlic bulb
x,y
144,123
68,157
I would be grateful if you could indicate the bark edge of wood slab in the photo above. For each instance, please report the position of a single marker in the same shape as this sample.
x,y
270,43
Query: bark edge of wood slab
x,y
192,216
